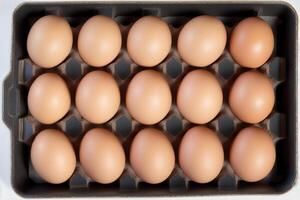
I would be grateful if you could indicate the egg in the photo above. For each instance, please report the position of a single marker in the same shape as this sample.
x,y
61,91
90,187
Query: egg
x,y
99,41
102,156
252,97
148,97
252,154
149,41
202,41
152,156
49,41
52,156
199,96
201,154
251,42
48,98
97,97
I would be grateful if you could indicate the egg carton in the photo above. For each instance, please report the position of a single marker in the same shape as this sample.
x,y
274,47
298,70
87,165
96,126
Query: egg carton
x,y
281,124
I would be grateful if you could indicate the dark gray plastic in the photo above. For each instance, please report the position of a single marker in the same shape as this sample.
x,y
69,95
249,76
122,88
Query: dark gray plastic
x,y
281,67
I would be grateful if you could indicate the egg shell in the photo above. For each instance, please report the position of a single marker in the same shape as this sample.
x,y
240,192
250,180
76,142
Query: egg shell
x,y
148,97
49,41
252,97
199,97
152,156
99,41
97,97
252,154
102,156
201,154
202,41
251,42
149,41
49,98
52,156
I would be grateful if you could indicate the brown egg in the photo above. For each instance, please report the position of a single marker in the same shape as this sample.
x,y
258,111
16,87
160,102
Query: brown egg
x,y
97,97
99,41
199,97
49,41
251,42
202,41
252,97
148,97
102,156
149,41
152,156
49,98
201,155
52,156
252,154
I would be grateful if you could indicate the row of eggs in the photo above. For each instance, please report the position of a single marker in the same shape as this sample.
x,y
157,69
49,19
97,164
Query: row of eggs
x,y
152,158
201,41
149,99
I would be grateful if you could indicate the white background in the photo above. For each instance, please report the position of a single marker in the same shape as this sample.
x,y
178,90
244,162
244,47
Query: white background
x,y
6,192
